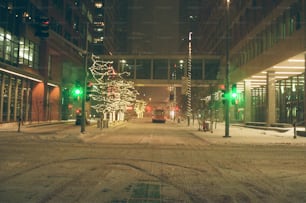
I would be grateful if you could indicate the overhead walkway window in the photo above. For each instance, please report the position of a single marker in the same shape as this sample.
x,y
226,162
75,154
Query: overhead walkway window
x,y
143,69
196,70
177,69
126,66
160,69
211,69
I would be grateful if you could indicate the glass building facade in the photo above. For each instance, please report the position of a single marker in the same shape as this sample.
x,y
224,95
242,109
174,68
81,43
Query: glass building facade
x,y
289,101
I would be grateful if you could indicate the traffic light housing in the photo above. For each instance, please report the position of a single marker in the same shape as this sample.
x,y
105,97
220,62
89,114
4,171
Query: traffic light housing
x,y
42,27
89,89
77,91
234,93
223,96
171,97
78,112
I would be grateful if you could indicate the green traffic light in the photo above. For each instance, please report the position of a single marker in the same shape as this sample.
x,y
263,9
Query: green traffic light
x,y
77,91
234,91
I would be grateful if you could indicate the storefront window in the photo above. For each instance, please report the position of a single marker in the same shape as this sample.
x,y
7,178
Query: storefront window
x,y
259,104
290,99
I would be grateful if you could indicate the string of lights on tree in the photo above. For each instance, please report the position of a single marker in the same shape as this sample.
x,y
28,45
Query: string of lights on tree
x,y
111,91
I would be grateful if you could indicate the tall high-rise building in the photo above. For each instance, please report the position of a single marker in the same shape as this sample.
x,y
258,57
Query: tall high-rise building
x,y
98,28
143,27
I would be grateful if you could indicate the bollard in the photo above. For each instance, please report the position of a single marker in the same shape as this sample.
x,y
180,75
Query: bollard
x,y
294,130
19,123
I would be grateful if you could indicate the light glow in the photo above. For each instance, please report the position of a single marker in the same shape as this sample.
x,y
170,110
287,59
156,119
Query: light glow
x,y
20,75
296,60
289,67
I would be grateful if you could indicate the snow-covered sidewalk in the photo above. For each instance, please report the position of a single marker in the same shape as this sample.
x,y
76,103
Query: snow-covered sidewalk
x,y
245,135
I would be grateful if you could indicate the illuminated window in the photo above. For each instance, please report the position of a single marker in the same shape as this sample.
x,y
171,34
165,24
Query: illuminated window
x,y
27,53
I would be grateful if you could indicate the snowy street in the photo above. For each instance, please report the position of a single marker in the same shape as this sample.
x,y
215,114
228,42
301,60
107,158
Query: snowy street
x,y
140,161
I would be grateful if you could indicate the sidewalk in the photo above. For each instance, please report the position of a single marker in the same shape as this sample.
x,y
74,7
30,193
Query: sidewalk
x,y
245,135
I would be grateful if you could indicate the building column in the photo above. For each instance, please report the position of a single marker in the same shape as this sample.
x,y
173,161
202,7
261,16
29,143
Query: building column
x,y
17,93
270,101
9,100
305,90
247,102
28,93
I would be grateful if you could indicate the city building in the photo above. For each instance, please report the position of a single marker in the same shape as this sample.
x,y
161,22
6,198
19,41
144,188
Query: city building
x,y
267,51
42,47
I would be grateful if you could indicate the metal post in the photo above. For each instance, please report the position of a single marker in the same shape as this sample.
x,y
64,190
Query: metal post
x,y
227,82
294,130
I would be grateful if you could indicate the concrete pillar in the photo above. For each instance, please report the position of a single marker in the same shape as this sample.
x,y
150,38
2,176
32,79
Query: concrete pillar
x,y
247,102
270,101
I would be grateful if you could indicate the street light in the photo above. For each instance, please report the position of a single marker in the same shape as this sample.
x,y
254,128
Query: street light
x,y
192,19
227,82
189,78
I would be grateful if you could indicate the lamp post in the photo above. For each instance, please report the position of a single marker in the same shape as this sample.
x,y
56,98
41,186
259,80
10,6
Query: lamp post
x,y
227,82
189,79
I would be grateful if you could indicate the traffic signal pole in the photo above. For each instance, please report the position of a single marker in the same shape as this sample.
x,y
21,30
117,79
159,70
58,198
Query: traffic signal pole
x,y
227,82
83,118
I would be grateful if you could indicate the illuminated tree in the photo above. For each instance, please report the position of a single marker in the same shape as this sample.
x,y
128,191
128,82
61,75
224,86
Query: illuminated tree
x,y
110,90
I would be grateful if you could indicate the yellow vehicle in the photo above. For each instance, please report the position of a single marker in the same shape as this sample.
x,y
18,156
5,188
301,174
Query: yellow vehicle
x,y
158,115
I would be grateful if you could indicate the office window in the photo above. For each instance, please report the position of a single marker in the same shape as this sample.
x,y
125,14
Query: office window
x,y
10,48
27,53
